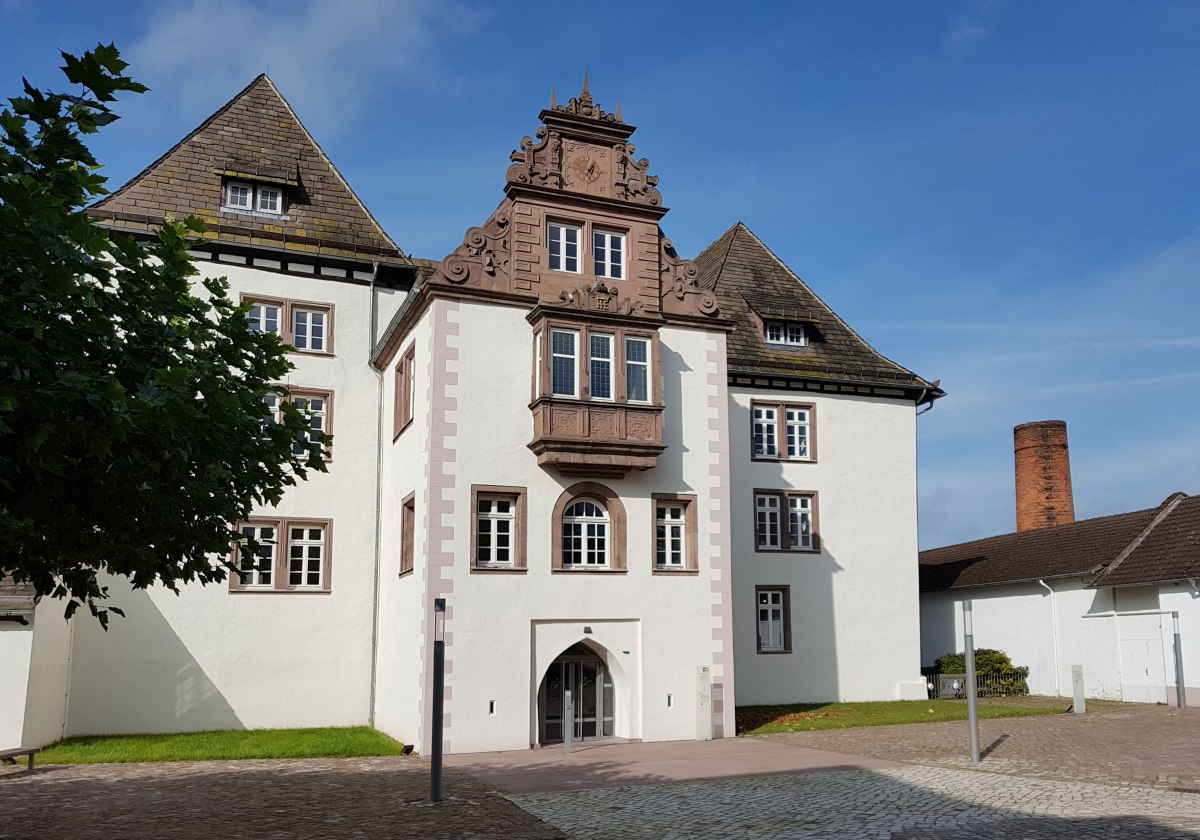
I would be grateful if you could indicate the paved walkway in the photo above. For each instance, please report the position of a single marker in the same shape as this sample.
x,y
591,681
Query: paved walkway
x,y
318,798
597,766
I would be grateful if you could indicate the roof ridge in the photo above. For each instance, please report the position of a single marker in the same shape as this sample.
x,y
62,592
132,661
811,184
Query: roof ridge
x,y
1058,528
1101,570
332,166
211,118
832,311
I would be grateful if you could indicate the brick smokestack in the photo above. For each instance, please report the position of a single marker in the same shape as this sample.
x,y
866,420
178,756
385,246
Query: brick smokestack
x,y
1043,468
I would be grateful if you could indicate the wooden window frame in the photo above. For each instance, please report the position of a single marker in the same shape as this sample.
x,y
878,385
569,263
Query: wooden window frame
x,y
785,328
587,247
405,396
617,524
288,307
786,591
785,546
562,257
294,391
520,530
623,236
781,409
280,569
408,533
542,384
691,549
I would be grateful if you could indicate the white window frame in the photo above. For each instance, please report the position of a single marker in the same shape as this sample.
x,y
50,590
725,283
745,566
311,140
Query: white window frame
x,y
800,522
574,358
796,424
597,363
252,578
647,366
785,334
229,202
771,619
313,344
602,244
306,544
303,401
767,520
493,517
786,520
260,194
670,529
576,527
560,254
765,430
259,321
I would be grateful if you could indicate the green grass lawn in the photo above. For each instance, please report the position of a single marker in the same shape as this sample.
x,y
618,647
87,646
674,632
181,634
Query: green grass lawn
x,y
214,746
800,717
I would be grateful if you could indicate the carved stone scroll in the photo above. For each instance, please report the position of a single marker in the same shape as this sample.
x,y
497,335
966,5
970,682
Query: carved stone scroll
x,y
484,257
681,291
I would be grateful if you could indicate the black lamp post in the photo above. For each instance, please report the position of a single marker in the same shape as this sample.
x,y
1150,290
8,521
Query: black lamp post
x,y
439,687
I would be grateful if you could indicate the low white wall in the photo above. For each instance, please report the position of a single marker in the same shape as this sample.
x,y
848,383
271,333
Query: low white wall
x,y
46,701
16,647
1125,657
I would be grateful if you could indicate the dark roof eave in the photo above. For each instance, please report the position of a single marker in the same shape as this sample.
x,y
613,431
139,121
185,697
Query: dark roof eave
x,y
1081,574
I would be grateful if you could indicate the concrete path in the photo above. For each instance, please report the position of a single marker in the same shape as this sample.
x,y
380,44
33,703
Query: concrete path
x,y
593,766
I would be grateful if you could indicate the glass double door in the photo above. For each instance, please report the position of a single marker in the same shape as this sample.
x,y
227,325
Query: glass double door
x,y
584,675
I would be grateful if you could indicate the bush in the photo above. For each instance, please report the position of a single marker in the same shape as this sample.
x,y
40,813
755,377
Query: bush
x,y
987,661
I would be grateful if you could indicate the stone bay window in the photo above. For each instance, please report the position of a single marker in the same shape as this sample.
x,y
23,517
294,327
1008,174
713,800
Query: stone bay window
x,y
597,402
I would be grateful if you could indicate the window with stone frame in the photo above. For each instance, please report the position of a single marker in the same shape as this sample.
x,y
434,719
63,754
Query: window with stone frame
x,y
773,619
405,391
305,326
785,520
290,554
598,363
498,541
782,431
316,406
589,530
408,536
675,533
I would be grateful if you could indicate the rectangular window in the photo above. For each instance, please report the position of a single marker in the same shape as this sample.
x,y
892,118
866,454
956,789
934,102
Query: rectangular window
x,y
670,543
270,200
498,541
306,556
789,335
563,363
308,329
766,521
563,247
800,533
264,317
537,364
765,425
774,621
600,370
239,196
637,369
608,249
782,431
271,401
405,396
315,409
290,555
306,326
408,526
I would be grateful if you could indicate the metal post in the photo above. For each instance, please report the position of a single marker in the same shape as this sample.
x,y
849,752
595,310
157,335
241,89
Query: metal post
x,y
439,689
972,686
1180,685
568,721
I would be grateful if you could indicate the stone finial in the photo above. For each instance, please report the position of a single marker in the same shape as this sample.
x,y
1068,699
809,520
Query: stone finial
x,y
585,106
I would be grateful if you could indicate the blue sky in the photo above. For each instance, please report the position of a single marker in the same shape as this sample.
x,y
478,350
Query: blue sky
x,y
1001,195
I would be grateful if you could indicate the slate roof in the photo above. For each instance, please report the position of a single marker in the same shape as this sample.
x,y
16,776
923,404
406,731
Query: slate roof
x,y
1144,546
255,136
752,284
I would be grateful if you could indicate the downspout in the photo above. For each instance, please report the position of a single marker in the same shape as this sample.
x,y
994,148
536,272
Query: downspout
x,y
1195,591
1054,637
921,399
378,491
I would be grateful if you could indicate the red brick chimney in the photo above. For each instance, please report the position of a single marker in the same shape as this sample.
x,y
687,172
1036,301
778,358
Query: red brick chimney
x,y
1043,469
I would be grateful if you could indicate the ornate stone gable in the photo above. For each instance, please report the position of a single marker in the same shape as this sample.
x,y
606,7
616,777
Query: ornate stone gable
x,y
580,172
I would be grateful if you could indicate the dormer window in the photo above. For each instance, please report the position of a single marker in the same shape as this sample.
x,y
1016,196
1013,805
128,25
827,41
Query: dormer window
x,y
255,198
785,334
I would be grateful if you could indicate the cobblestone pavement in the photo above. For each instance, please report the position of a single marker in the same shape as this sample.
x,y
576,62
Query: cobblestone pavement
x,y
914,803
1115,743
325,798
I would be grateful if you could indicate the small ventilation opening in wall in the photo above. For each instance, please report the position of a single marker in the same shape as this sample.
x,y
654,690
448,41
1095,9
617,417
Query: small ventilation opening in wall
x,y
491,707
670,700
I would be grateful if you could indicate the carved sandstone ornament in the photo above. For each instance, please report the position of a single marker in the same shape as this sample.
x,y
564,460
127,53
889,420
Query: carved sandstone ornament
x,y
485,252
681,289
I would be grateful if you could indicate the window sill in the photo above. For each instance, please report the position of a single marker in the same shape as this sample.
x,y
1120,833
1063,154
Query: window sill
x,y
396,435
498,570
406,573
758,550
768,459
772,652
266,591
658,570
325,354
589,571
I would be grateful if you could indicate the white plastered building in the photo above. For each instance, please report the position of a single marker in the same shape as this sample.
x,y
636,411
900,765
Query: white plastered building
x,y
663,486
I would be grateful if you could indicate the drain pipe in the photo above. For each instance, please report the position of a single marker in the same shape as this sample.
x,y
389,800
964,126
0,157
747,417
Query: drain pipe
x,y
1195,591
1054,636
378,491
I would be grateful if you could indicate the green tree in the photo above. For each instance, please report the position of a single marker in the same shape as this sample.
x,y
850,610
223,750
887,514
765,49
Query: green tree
x,y
133,427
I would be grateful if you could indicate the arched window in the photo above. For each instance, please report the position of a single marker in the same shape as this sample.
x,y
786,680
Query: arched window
x,y
588,531
585,534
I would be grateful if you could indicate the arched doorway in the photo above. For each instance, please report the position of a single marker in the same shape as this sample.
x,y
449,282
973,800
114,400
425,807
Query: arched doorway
x,y
582,672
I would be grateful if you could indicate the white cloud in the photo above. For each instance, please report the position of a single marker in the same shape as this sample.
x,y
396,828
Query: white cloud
x,y
332,60
971,26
